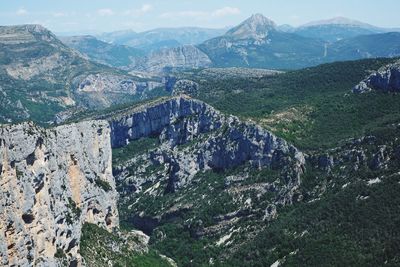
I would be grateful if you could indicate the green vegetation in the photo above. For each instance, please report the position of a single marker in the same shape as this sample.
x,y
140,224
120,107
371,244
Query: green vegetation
x,y
98,248
60,254
103,184
351,224
189,215
326,110
339,230
136,147
74,209
340,220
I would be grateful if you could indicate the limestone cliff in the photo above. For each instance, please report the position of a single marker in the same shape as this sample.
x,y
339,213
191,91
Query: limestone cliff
x,y
207,140
187,56
386,79
167,153
52,181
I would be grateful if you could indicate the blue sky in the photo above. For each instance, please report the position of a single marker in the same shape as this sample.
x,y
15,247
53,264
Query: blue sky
x,y
88,16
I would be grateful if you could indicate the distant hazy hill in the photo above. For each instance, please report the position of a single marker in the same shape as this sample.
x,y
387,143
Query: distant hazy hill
x,y
255,43
102,52
338,28
366,46
259,43
162,38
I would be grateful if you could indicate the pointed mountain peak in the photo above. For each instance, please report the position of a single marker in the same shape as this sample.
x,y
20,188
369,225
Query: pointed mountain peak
x,y
254,27
259,19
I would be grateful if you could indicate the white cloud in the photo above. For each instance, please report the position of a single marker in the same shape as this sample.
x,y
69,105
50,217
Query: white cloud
x,y
59,14
225,11
146,8
105,12
21,12
142,10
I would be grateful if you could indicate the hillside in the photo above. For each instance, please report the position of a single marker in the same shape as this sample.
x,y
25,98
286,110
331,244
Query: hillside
x,y
311,107
365,46
41,77
200,208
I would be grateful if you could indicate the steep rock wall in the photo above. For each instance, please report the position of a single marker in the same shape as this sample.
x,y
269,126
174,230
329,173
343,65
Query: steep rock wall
x,y
52,181
386,79
215,141
187,56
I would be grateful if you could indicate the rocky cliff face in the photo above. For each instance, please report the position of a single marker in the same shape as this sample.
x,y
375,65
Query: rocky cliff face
x,y
181,139
180,120
53,181
227,142
386,79
187,56
104,90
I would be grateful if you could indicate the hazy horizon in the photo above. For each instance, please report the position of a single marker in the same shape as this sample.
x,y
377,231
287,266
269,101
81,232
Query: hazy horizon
x,y
104,16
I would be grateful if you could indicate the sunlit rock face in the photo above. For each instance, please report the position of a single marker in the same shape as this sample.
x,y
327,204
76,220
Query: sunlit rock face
x,y
386,79
53,181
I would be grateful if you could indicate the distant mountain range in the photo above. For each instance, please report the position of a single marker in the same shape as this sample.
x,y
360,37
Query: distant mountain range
x,y
257,42
338,28
103,52
161,38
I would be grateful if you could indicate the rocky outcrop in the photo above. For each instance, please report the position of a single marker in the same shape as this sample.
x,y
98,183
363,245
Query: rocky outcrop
x,y
235,73
195,137
367,152
108,83
25,34
169,150
187,56
151,119
187,87
386,79
53,181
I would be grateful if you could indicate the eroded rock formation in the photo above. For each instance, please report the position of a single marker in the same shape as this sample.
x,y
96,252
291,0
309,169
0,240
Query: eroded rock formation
x,y
53,181
216,141
386,79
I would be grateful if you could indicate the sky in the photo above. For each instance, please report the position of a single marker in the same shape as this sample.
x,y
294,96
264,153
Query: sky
x,y
96,16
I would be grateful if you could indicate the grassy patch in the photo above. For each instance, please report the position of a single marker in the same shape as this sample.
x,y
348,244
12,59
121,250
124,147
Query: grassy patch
x,y
136,147
97,249
103,184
